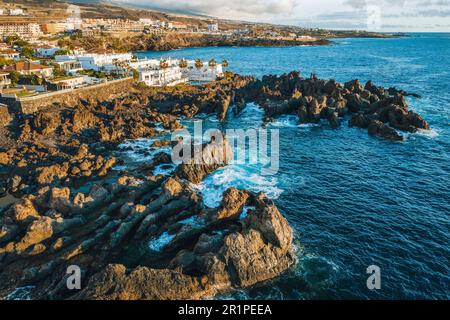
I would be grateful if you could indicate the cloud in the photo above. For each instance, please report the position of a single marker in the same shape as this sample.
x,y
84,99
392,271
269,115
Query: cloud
x,y
235,9
392,15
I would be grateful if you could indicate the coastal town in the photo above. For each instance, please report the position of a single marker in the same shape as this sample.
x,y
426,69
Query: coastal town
x,y
42,57
32,64
69,47
88,125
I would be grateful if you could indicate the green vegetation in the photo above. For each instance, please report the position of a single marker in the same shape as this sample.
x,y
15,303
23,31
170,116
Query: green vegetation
x,y
24,93
61,52
135,74
14,76
93,73
57,71
5,62
31,79
63,78
25,47
11,39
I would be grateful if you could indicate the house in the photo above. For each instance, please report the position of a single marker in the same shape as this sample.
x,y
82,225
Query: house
x,y
70,66
30,68
16,12
144,63
10,54
207,72
47,51
213,27
179,26
146,21
161,73
4,80
97,62
65,83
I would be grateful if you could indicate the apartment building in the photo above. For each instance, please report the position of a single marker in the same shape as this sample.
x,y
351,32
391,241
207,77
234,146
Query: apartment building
x,y
24,30
161,73
204,72
97,62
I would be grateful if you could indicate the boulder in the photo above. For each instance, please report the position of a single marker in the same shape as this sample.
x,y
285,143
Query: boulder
x,y
38,231
378,128
231,205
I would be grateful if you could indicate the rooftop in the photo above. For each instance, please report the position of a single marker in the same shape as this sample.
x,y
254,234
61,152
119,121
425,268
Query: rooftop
x,y
25,66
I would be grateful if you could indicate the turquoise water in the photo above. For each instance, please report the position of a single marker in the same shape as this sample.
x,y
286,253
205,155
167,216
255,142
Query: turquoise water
x,y
354,200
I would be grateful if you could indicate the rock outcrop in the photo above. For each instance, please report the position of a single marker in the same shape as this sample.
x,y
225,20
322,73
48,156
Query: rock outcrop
x,y
313,99
138,235
200,256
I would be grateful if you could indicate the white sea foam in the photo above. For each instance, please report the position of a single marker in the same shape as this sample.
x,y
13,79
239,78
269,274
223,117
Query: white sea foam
x,y
140,150
286,121
430,134
433,133
159,243
241,177
291,121
21,293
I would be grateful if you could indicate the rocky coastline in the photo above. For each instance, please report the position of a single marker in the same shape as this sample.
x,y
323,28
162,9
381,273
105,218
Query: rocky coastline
x,y
139,235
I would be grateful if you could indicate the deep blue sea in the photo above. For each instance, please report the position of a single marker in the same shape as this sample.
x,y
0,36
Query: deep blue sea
x,y
353,200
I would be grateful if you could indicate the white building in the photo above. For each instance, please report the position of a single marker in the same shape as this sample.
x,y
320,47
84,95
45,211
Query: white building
x,y
69,82
213,27
97,62
206,73
146,21
47,51
16,12
4,80
160,73
151,73
70,66
144,63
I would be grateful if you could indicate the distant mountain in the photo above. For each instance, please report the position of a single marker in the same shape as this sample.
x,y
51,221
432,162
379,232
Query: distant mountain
x,y
146,6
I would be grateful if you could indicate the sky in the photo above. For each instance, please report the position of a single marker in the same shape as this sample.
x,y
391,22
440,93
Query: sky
x,y
374,15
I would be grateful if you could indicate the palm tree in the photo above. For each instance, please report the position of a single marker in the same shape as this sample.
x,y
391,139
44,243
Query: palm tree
x,y
163,64
225,63
183,64
198,64
212,63
115,62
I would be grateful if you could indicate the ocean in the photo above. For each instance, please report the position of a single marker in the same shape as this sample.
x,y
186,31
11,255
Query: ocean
x,y
353,200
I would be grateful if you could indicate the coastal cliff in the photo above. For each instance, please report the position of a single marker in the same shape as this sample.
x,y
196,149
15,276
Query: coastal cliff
x,y
137,234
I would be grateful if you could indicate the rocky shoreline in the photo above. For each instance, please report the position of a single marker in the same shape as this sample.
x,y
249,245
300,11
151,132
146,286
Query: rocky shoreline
x,y
138,235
